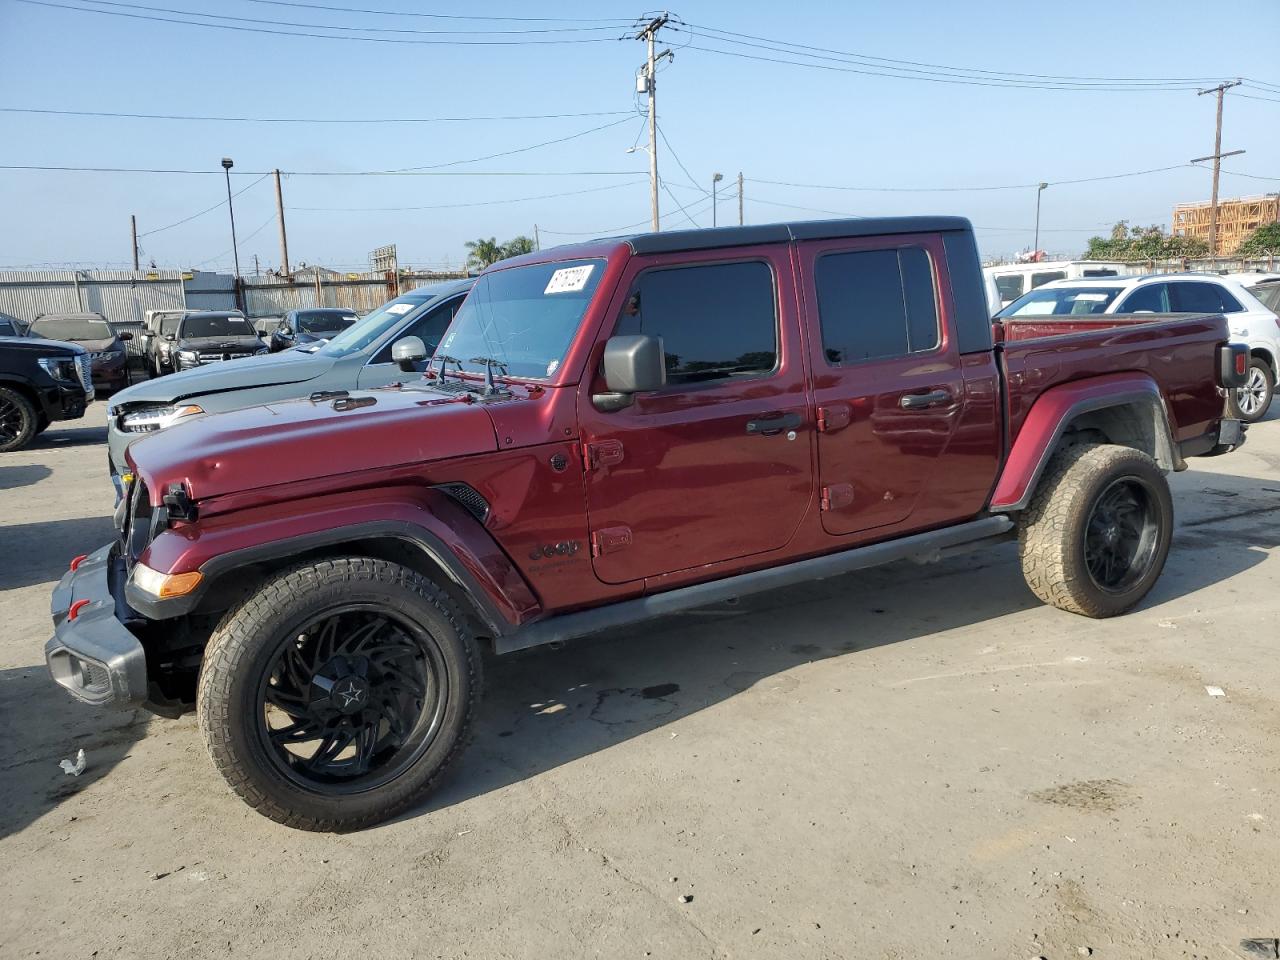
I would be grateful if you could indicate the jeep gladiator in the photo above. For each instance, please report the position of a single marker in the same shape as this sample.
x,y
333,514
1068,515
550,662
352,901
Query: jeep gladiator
x,y
612,432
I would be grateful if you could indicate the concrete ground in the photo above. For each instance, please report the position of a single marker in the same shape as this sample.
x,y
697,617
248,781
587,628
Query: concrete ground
x,y
913,762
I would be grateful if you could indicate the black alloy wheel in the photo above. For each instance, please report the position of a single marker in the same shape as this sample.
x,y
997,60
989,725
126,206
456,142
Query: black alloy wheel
x,y
1121,535
352,699
17,420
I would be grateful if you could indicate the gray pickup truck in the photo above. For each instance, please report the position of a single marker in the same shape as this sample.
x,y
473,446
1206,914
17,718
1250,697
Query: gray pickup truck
x,y
358,358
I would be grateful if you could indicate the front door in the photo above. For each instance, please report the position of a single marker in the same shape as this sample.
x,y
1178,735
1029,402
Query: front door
x,y
430,327
718,465
887,375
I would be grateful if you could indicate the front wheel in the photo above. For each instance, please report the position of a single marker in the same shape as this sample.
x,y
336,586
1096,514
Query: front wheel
x,y
1251,401
1096,535
337,695
19,420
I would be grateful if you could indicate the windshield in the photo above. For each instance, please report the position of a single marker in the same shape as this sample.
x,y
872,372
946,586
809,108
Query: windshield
x,y
524,317
360,334
324,321
72,330
215,326
1061,301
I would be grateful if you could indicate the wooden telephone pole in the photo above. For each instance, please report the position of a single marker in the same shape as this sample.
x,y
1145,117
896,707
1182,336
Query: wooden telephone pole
x,y
284,239
133,226
649,34
1217,156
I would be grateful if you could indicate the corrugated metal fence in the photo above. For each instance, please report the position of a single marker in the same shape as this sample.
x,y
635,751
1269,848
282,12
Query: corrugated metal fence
x,y
276,296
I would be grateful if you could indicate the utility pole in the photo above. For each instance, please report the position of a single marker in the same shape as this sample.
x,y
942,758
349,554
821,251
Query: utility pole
x,y
256,271
537,243
284,239
1035,250
1220,89
649,35
227,164
715,178
739,198
133,226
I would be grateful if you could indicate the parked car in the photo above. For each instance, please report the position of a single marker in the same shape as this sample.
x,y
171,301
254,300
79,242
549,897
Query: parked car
x,y
308,326
211,336
359,357
1264,286
1250,321
40,381
11,326
1006,282
317,577
90,330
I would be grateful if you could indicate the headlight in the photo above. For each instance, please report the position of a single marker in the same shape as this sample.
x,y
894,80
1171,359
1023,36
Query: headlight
x,y
258,353
188,356
151,419
164,585
60,368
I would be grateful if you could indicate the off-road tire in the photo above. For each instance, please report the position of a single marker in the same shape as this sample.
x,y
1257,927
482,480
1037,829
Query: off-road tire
x,y
1259,373
243,647
21,412
1052,530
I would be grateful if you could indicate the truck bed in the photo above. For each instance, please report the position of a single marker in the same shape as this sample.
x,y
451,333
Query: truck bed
x,y
1174,350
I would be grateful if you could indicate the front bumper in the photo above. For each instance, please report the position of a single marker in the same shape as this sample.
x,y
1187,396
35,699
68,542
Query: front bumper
x,y
94,657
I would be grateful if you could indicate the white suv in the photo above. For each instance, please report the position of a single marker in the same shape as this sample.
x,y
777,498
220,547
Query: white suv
x,y
1251,322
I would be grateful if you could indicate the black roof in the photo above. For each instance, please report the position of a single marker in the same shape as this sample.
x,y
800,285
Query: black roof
x,y
672,241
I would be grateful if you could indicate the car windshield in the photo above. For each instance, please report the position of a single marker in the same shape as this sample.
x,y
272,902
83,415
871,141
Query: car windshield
x,y
1061,301
68,329
324,321
524,317
215,326
368,330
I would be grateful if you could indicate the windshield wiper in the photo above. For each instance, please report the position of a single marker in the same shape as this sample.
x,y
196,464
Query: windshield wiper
x,y
490,388
445,360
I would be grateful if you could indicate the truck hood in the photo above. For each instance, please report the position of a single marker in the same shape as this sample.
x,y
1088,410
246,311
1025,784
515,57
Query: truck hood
x,y
300,440
39,347
264,371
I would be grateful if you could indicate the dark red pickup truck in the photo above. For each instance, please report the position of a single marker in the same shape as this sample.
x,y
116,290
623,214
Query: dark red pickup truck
x,y
612,432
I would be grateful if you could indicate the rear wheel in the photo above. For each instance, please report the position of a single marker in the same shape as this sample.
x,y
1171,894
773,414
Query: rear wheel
x,y
18,420
1251,401
1096,535
337,695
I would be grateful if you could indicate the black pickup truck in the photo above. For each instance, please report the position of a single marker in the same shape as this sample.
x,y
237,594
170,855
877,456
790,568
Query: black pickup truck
x,y
40,381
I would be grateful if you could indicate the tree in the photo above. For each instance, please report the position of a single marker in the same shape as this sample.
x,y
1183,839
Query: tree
x,y
483,253
1143,243
517,247
1263,242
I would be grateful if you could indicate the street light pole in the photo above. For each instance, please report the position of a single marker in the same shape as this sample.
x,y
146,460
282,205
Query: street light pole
x,y
226,166
715,178
1035,250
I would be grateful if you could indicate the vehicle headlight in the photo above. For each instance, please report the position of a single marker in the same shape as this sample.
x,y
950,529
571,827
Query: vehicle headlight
x,y
188,356
60,368
258,353
164,585
151,419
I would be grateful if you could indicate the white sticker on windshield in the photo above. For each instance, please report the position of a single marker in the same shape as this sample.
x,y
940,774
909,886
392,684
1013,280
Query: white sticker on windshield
x,y
1091,297
552,367
399,309
569,279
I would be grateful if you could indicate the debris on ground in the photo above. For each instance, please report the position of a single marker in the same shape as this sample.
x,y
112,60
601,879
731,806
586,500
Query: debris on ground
x,y
1215,691
686,898
74,767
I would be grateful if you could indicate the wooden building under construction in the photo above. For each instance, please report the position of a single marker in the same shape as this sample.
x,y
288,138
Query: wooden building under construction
x,y
1236,220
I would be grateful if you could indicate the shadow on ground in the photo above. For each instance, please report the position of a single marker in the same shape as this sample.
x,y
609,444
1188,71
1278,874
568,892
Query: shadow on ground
x,y
71,436
32,553
40,725
546,708
19,475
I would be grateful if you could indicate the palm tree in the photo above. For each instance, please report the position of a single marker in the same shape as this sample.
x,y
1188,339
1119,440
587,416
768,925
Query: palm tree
x,y
483,253
514,248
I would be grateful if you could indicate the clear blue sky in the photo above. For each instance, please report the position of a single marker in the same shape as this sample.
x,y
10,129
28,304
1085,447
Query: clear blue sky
x,y
721,113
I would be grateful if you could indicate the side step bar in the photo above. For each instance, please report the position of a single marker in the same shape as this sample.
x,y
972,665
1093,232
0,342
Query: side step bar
x,y
922,547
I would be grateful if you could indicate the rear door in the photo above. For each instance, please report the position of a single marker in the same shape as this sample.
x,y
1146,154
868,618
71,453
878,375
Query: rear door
x,y
888,378
718,465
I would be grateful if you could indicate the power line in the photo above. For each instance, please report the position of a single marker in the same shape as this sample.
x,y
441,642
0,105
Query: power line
x,y
440,16
612,231
267,223
478,203
171,116
220,203
328,173
337,27
679,162
508,153
314,36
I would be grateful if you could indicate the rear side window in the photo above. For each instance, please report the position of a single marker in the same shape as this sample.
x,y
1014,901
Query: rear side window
x,y
1193,297
6,329
875,304
1010,287
1153,298
717,321
1040,279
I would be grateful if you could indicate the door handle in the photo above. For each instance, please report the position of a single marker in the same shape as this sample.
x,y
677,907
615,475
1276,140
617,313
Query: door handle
x,y
775,424
914,401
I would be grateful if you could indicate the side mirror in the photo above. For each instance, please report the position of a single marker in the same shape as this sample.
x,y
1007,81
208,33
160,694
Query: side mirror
x,y
171,336
632,364
124,336
408,351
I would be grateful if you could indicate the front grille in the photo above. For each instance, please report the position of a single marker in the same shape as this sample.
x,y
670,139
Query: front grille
x,y
84,370
219,357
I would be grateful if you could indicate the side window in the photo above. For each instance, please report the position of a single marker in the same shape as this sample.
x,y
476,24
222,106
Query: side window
x,y
1040,279
1193,297
1153,298
6,329
1010,287
717,321
430,327
876,304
